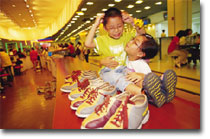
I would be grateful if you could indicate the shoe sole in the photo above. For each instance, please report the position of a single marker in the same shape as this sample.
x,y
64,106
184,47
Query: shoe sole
x,y
169,84
82,115
65,91
144,121
152,86
73,108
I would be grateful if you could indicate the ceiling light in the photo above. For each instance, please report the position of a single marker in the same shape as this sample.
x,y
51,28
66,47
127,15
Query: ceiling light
x,y
27,6
138,11
89,3
74,18
80,13
87,21
147,7
30,11
25,0
72,22
130,6
32,15
117,0
19,14
111,5
91,18
158,3
77,16
13,5
139,1
84,9
104,10
99,14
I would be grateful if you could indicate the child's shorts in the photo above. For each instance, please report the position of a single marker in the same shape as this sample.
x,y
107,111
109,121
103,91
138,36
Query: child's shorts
x,y
116,77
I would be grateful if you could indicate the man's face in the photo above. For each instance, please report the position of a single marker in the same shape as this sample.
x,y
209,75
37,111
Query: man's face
x,y
133,47
114,27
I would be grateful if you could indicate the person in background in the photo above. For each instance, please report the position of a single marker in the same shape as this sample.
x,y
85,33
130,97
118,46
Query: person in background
x,y
163,33
188,32
71,50
86,53
6,64
175,51
11,55
20,54
34,57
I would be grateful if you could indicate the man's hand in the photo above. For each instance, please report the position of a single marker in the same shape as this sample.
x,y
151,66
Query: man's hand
x,y
109,62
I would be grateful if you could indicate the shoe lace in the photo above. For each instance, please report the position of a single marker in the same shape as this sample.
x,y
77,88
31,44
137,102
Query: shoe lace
x,y
87,92
83,85
103,106
93,96
121,116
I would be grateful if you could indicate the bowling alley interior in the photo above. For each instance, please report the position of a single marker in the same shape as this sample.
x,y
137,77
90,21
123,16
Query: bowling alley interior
x,y
66,64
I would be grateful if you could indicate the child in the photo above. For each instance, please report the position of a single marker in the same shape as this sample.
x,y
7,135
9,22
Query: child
x,y
132,78
112,45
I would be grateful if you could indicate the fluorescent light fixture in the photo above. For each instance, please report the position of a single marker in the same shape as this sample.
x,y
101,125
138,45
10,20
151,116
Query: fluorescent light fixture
x,y
74,18
117,0
98,14
91,18
104,10
80,13
77,16
87,21
130,6
158,3
89,3
84,9
72,22
139,1
147,7
138,11
111,5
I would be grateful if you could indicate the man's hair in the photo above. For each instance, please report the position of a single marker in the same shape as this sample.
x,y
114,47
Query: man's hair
x,y
111,12
149,47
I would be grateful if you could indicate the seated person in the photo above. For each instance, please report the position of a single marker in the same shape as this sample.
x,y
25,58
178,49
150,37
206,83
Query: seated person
x,y
137,75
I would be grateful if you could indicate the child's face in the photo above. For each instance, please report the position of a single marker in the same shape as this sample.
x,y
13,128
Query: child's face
x,y
114,27
133,47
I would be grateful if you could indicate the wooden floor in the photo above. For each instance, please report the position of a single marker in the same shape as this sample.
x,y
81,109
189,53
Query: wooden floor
x,y
23,108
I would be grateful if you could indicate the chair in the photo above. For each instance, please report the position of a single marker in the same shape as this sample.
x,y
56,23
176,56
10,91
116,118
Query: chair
x,y
4,78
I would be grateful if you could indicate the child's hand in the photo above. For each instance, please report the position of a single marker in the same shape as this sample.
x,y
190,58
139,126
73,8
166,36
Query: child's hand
x,y
99,19
127,18
134,77
109,62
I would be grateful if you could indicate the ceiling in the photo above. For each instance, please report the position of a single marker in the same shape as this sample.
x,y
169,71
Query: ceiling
x,y
34,19
30,13
39,14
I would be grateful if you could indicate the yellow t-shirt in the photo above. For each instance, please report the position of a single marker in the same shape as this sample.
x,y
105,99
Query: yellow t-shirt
x,y
107,46
5,60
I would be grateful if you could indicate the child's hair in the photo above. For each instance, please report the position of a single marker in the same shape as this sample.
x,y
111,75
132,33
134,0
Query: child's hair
x,y
111,12
149,47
